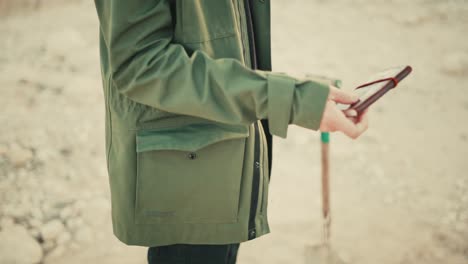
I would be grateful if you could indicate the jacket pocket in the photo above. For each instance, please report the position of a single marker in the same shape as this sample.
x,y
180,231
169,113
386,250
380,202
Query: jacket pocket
x,y
205,20
189,174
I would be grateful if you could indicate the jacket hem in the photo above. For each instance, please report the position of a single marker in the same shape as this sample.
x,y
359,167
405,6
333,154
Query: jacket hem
x,y
196,234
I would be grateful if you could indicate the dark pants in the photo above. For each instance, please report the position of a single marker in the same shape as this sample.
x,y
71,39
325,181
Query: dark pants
x,y
193,254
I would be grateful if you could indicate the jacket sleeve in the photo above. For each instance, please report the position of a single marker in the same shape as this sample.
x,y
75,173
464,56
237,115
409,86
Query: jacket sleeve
x,y
147,67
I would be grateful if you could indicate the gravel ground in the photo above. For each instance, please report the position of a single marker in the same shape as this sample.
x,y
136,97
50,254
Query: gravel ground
x,y
399,193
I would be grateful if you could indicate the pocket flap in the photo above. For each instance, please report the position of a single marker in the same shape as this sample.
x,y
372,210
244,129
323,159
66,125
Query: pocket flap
x,y
190,137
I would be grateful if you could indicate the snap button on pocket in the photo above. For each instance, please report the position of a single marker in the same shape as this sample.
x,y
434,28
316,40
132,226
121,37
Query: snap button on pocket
x,y
192,155
252,234
257,165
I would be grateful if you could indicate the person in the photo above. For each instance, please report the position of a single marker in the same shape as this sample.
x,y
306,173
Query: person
x,y
191,107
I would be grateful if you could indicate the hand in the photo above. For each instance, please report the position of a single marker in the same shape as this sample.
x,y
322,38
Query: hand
x,y
347,122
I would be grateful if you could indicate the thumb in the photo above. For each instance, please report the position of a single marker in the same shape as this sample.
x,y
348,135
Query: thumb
x,y
341,96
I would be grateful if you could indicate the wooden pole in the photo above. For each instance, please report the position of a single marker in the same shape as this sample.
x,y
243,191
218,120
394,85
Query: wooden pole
x,y
325,149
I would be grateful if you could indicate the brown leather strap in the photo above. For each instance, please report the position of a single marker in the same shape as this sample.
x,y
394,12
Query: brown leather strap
x,y
393,79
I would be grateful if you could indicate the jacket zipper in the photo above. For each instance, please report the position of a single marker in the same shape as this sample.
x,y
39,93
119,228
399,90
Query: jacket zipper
x,y
250,34
252,233
262,158
241,30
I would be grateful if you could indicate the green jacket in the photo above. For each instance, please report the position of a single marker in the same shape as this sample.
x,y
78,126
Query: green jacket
x,y
187,155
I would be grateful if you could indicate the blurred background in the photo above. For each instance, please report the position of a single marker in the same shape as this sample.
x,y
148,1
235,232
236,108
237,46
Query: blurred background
x,y
399,193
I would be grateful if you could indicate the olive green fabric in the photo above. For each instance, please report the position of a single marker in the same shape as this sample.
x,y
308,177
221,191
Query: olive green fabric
x,y
181,103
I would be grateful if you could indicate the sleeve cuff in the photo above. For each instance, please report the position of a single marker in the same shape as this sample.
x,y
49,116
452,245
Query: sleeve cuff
x,y
310,98
280,100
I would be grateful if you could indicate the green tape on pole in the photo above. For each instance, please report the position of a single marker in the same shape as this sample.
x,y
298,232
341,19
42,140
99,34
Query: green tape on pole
x,y
325,137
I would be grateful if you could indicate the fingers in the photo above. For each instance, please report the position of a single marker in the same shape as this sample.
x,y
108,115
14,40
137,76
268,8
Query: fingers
x,y
355,126
361,124
351,113
349,122
354,116
341,96
350,129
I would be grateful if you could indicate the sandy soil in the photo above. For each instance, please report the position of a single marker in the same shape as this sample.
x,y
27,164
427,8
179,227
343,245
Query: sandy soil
x,y
399,193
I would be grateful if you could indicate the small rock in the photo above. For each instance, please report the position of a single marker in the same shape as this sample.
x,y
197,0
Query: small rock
x,y
19,156
50,213
36,213
34,232
51,230
34,223
48,245
18,247
54,253
74,223
15,211
63,238
66,213
45,154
